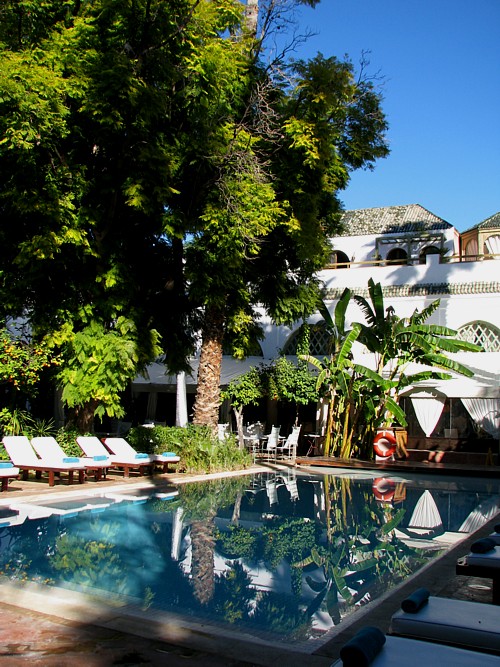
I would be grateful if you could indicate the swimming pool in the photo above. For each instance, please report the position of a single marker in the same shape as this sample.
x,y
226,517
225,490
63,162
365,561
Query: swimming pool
x,y
279,556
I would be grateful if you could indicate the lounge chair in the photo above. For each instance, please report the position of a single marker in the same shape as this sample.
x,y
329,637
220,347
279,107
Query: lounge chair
x,y
495,535
49,449
460,623
92,446
483,561
121,448
7,471
24,457
371,647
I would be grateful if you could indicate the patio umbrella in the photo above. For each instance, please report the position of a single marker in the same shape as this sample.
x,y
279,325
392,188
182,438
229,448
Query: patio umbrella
x,y
426,513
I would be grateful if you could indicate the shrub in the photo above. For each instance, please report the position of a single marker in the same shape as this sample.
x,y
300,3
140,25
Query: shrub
x,y
198,448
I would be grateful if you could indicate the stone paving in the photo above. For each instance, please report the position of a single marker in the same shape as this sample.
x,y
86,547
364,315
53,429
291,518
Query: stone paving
x,y
41,639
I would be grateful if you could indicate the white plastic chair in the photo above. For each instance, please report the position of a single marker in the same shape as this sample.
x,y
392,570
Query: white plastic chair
x,y
289,448
272,442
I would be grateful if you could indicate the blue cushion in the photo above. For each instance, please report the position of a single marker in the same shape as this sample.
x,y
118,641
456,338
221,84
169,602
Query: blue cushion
x,y
6,464
169,454
101,457
71,459
141,455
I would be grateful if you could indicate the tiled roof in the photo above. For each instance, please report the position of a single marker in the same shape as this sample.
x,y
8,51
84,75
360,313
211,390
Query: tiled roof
x,y
492,222
422,289
390,220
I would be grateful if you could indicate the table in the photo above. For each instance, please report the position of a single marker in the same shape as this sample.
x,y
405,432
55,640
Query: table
x,y
314,443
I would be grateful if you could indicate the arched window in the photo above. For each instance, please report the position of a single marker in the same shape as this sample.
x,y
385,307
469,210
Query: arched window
x,y
471,248
481,333
318,340
492,245
397,256
428,250
339,260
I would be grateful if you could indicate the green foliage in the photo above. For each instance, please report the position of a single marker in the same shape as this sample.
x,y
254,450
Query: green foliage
x,y
22,363
127,129
361,399
198,448
85,561
244,390
286,381
233,594
287,539
99,364
238,543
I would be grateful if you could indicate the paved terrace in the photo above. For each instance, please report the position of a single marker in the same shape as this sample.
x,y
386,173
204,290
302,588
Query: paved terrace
x,y
55,632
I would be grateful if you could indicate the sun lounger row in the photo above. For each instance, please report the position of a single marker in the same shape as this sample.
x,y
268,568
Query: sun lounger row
x,y
434,630
44,455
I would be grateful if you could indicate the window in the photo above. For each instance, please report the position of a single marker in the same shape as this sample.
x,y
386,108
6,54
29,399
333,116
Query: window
x,y
481,333
318,340
339,260
397,256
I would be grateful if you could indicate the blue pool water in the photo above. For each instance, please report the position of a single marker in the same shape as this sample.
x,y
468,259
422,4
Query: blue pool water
x,y
282,556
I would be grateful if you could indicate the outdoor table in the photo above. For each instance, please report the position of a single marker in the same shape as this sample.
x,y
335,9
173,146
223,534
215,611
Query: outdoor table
x,y
314,443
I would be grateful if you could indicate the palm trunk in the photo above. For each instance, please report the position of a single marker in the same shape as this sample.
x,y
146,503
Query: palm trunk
x,y
207,402
203,546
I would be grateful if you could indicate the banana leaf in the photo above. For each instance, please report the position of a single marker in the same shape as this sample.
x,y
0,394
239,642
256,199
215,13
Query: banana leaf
x,y
392,523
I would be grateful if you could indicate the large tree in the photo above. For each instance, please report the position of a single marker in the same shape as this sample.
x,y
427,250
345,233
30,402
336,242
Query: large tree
x,y
92,99
279,156
158,176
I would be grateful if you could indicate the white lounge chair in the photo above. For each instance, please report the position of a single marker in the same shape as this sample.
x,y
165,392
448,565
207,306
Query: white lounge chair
x,y
398,651
7,471
124,450
92,446
482,562
50,450
24,457
457,622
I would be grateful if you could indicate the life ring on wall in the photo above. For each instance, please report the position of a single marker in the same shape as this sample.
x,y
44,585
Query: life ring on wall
x,y
384,444
384,489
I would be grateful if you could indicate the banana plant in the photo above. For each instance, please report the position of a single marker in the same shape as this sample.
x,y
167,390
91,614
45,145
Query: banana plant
x,y
397,343
361,399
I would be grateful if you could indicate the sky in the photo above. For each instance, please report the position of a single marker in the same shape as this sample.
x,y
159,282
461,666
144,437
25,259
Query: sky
x,y
440,62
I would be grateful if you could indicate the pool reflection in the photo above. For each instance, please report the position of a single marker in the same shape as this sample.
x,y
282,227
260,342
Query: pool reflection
x,y
283,556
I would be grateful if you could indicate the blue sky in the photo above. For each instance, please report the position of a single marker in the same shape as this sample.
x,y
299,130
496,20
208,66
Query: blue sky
x,y
440,60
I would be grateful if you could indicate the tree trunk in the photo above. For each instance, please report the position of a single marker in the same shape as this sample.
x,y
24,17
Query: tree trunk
x,y
238,413
207,401
203,546
82,417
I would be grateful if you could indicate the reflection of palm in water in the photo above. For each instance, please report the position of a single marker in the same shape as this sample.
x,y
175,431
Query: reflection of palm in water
x,y
203,546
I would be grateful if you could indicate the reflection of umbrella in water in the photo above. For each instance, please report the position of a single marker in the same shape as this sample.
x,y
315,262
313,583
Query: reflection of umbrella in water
x,y
479,516
426,514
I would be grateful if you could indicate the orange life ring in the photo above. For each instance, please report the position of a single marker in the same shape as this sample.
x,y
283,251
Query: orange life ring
x,y
384,444
384,489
